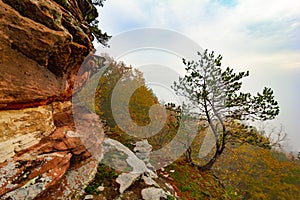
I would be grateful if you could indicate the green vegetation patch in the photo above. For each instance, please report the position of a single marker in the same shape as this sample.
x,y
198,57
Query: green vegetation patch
x,y
105,176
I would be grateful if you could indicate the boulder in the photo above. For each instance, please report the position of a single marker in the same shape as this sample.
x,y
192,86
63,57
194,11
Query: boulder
x,y
142,150
153,193
119,157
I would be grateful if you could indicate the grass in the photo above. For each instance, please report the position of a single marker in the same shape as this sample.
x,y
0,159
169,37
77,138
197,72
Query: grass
x,y
105,176
194,184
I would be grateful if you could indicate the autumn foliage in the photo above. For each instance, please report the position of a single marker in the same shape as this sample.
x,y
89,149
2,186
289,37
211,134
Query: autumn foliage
x,y
248,168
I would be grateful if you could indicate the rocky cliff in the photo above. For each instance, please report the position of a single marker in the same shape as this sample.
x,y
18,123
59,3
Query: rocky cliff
x,y
42,45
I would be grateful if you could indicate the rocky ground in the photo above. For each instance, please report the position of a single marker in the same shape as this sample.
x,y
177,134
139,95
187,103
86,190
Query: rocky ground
x,y
130,176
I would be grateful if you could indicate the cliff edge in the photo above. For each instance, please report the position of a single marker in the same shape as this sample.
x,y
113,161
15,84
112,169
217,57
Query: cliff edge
x,y
42,45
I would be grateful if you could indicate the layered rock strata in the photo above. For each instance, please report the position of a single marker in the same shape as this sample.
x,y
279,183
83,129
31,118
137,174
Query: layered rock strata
x,y
42,46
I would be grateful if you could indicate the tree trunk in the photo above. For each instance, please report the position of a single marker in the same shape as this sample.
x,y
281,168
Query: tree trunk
x,y
209,165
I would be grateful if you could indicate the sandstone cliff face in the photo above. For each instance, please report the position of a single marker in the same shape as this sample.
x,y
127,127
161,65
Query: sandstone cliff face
x,y
42,45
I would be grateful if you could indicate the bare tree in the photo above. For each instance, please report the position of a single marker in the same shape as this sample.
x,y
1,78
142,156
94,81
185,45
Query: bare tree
x,y
276,135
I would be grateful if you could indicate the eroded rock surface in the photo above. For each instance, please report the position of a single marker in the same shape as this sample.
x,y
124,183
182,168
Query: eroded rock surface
x,y
21,129
57,161
32,175
73,182
42,46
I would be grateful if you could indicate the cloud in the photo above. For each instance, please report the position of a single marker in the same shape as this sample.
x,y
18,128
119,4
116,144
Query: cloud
x,y
236,29
118,16
264,26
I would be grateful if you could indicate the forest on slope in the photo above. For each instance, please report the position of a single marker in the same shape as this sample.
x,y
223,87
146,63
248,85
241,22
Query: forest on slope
x,y
249,168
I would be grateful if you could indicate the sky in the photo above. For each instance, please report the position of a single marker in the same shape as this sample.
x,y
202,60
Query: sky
x,y
259,36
